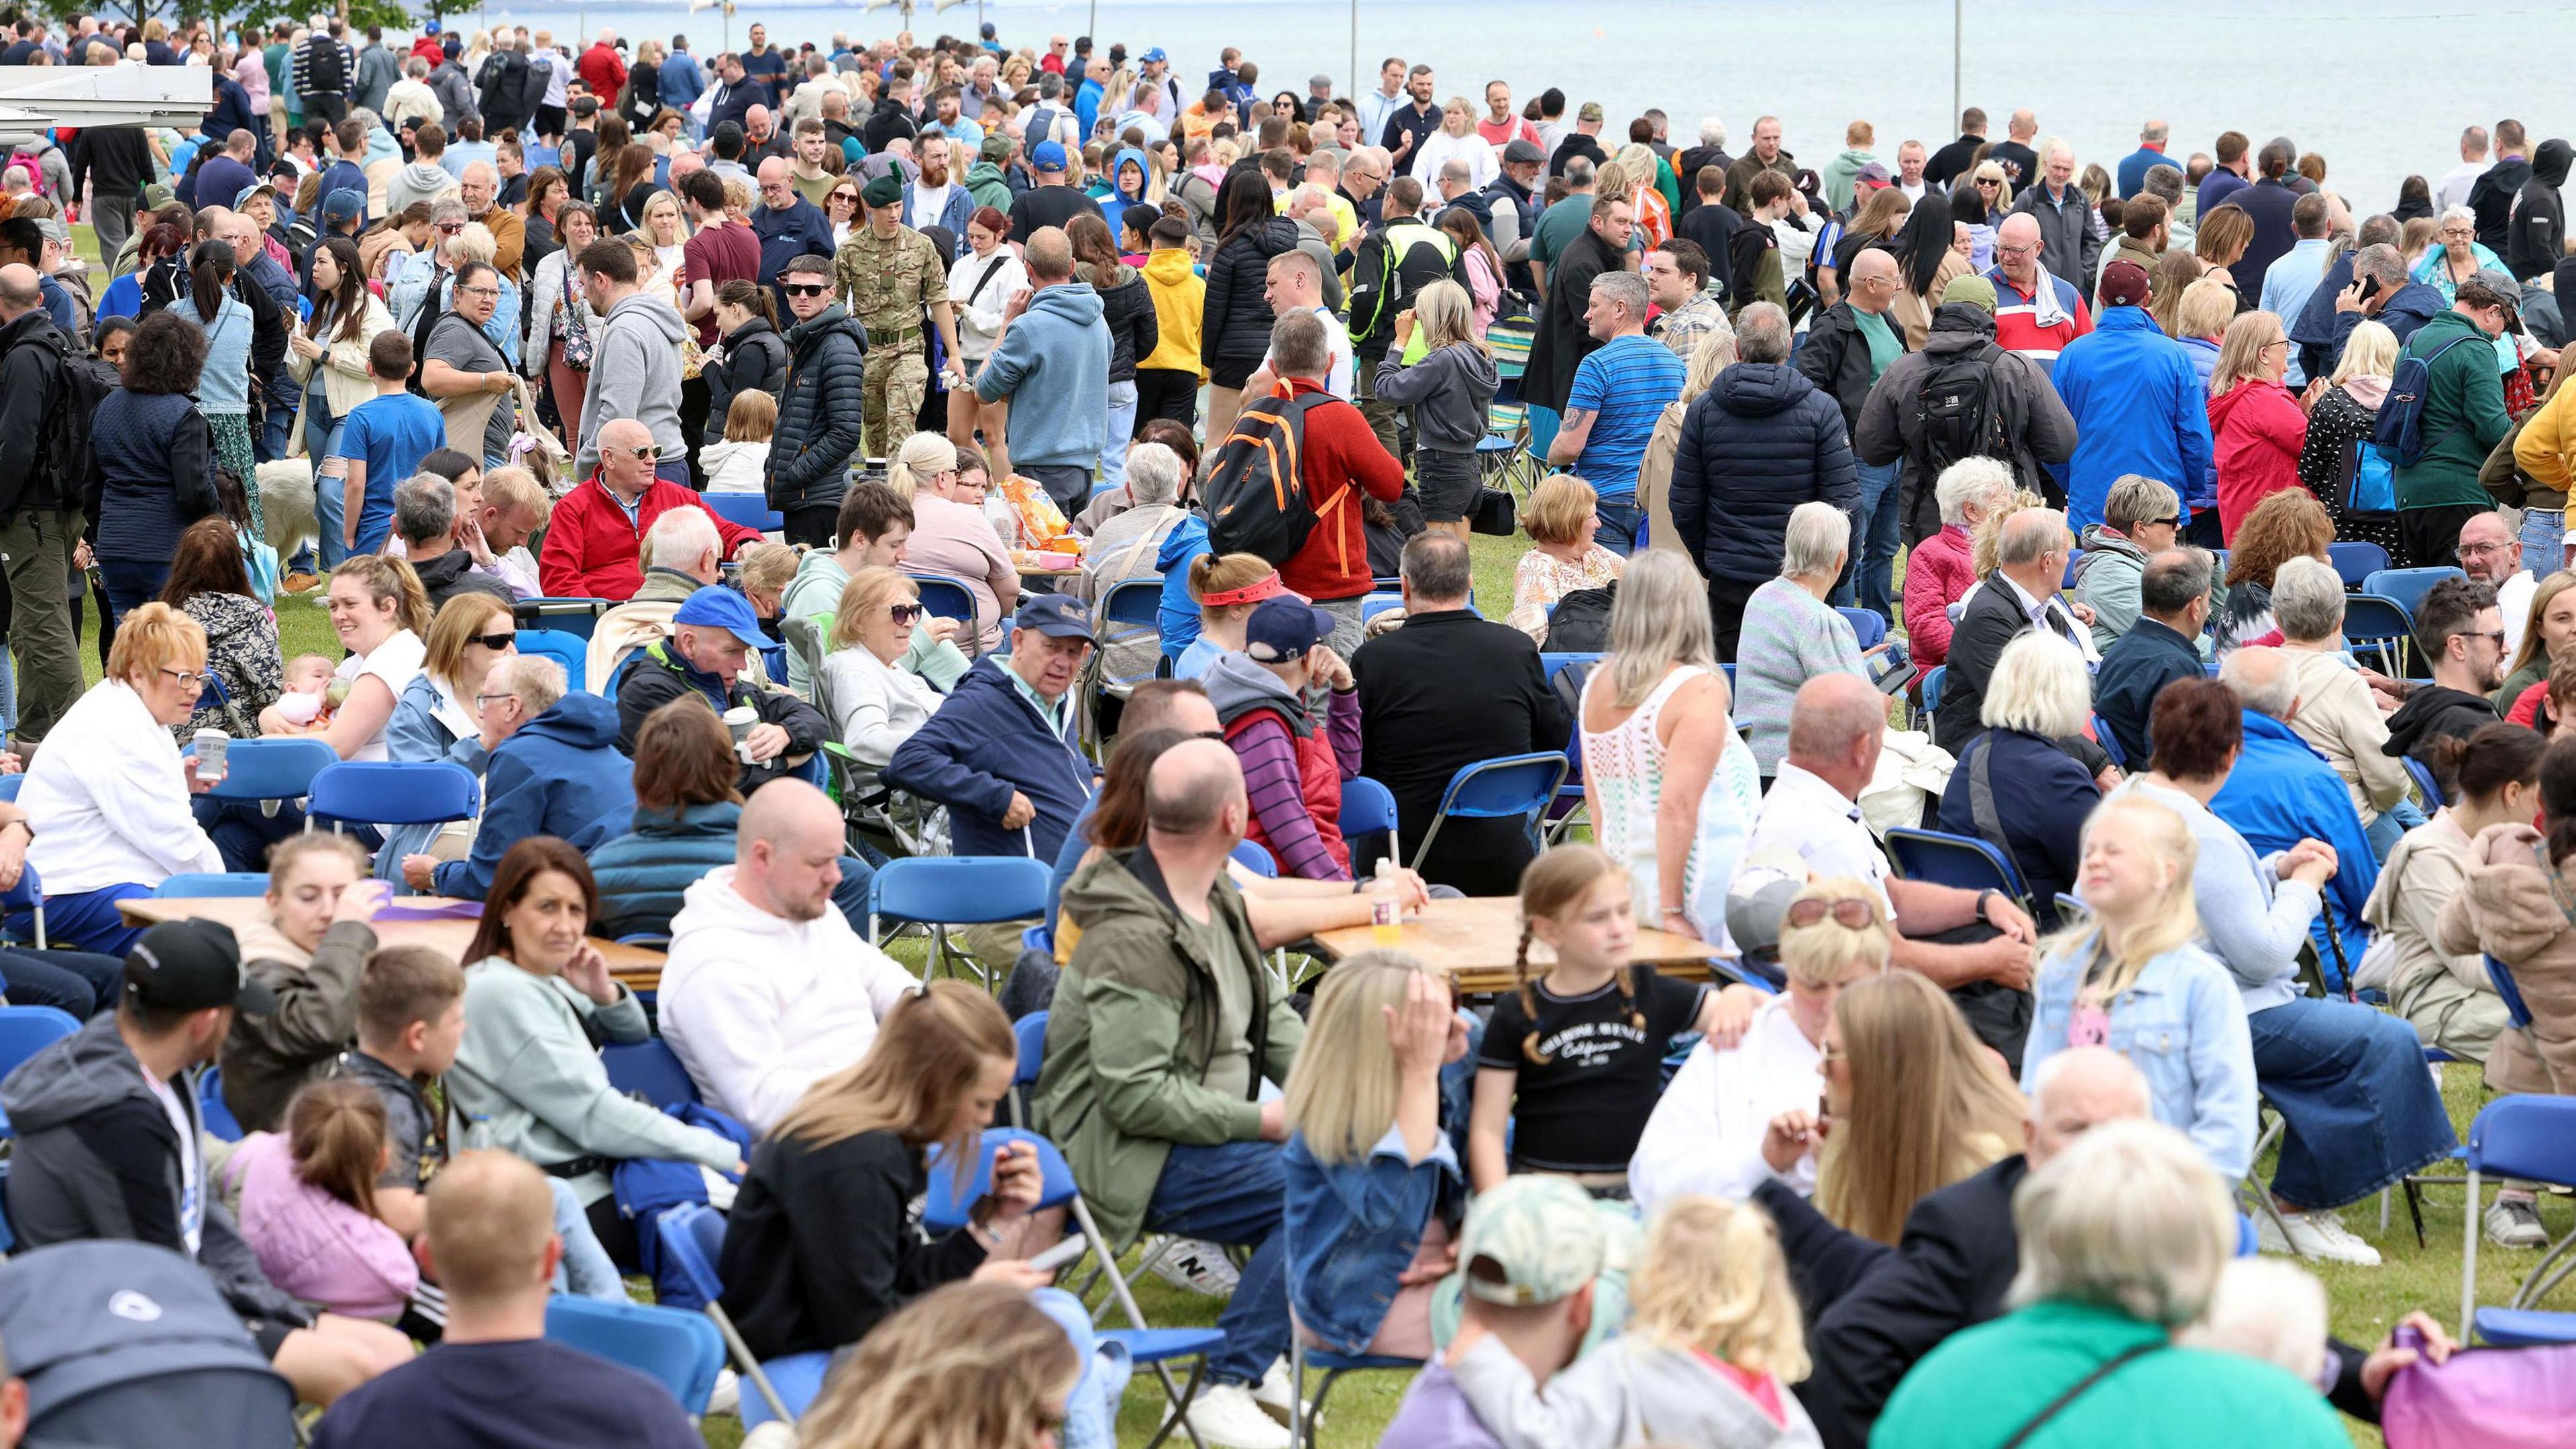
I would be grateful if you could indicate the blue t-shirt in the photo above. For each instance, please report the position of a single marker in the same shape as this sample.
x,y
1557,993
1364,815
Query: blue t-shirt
x,y
391,434
1626,384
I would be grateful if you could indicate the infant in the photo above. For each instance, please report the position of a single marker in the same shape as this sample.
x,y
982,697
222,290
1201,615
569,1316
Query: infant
x,y
313,691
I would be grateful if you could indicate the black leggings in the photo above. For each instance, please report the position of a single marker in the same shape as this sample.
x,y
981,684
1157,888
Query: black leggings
x,y
616,1232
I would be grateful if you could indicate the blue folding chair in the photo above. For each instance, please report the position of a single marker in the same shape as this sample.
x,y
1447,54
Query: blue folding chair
x,y
1368,809
27,895
210,884
2109,742
946,598
272,770
1130,612
1516,785
394,792
691,1236
25,1031
2074,559
949,1203
567,649
1030,1032
2356,562
10,785
1549,664
1868,627
679,1350
2425,782
2533,1139
577,616
1256,858
2407,586
1376,604
1933,680
2379,624
956,890
1954,860
211,1111
649,1069
747,510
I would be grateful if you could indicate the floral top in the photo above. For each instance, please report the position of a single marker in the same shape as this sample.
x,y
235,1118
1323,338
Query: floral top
x,y
1543,578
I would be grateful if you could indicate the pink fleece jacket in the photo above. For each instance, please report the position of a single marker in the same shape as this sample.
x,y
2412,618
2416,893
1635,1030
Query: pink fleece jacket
x,y
313,1245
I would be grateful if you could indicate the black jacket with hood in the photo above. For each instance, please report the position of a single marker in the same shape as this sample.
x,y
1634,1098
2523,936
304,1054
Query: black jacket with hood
x,y
2491,197
1127,305
96,1158
754,360
1759,442
2435,712
2538,236
819,405
2034,417
1236,323
32,352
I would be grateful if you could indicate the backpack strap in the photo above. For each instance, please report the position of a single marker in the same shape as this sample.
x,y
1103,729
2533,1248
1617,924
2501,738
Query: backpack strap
x,y
2076,1391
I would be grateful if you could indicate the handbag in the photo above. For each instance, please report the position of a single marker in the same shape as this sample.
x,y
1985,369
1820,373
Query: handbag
x,y
1494,514
576,337
2491,1396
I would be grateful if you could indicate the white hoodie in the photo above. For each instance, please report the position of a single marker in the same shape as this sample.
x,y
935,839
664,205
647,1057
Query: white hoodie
x,y
760,1007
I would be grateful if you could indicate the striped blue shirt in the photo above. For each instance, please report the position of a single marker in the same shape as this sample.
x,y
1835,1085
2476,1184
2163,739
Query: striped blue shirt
x,y
1625,384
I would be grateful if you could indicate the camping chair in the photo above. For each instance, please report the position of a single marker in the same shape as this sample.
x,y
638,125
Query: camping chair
x,y
213,883
393,792
748,510
805,642
1304,1413
1516,785
1130,611
1503,457
940,891
25,1031
2407,586
867,803
648,1069
691,1235
679,1350
575,616
563,647
2532,1138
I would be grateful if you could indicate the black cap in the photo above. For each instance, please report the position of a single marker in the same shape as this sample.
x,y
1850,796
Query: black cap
x,y
191,965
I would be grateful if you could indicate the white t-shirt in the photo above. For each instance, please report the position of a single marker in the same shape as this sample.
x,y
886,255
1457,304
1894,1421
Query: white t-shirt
x,y
2513,601
1805,817
929,201
1340,379
192,1200
394,661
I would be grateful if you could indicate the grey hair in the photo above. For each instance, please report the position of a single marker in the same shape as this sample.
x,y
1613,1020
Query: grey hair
x,y
2039,686
443,212
1153,473
2136,498
2127,1217
424,507
2261,679
2459,213
416,68
1970,480
2382,263
1625,288
1818,540
1437,565
1658,619
1712,131
1579,173
1299,346
2030,534
2307,600
537,680
2168,187
681,537
1762,333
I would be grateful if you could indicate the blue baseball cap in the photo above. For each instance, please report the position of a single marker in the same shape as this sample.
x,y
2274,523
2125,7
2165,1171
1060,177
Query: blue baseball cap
x,y
1153,55
717,607
1058,616
1283,629
1047,156
346,201
432,28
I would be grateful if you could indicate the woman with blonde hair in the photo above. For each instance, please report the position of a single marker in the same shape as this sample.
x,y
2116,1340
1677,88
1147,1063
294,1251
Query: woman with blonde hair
x,y
2132,976
2174,273
1738,1116
661,226
952,533
2040,692
2339,421
1455,140
2223,234
1654,213
1980,201
874,704
2548,636
1916,1103
1227,587
1714,354
436,717
968,1366
1561,521
1449,386
2256,427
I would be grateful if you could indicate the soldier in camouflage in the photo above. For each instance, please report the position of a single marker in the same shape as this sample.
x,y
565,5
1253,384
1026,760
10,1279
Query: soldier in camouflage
x,y
887,274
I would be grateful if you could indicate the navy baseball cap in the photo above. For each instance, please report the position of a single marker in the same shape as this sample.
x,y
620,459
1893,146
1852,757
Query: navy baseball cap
x,y
1047,156
717,607
346,201
1058,616
1283,629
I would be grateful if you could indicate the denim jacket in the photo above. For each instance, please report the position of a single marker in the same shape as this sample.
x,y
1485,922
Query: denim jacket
x,y
2183,1024
1353,1228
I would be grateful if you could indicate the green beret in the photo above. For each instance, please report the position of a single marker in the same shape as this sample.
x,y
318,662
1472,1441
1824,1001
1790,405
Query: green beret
x,y
886,190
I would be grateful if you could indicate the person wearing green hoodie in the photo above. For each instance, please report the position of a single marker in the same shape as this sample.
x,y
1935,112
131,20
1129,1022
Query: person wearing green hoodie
x,y
2463,419
985,179
1842,173
874,524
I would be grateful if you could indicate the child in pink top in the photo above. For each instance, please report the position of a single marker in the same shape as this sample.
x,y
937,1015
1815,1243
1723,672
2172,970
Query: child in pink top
x,y
308,1204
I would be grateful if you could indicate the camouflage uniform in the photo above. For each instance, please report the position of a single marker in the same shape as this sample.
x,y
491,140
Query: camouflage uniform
x,y
888,284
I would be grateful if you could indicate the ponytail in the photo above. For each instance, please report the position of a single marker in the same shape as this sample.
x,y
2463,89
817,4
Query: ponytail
x,y
336,1132
752,295
210,270
1528,994
2479,766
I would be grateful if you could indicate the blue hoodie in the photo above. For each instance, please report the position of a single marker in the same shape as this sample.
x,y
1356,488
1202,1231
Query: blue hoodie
x,y
560,775
1179,613
1053,364
1122,196
2281,792
984,745
2139,408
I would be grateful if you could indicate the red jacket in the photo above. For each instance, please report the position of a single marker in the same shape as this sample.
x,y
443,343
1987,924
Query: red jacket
x,y
1937,574
2256,430
428,48
591,548
1342,457
603,72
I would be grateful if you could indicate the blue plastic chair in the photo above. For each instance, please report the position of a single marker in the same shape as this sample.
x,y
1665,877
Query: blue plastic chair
x,y
1129,612
10,785
691,1236
1549,664
2425,782
2356,562
280,769
217,1118
25,1031
679,1350
2510,992
1030,1031
2407,586
2531,1138
567,649
1869,628
1368,808
208,884
1376,604
1954,860
1933,680
27,895
2109,742
1256,858
570,615
748,510
1516,785
405,792
945,598
2074,557
2377,623
650,1068
956,890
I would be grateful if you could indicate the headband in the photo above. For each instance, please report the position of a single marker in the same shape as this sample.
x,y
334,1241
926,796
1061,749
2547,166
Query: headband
x,y
1266,587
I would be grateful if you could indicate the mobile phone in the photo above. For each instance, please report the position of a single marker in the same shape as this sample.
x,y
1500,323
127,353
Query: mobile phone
x,y
2369,288
1059,1255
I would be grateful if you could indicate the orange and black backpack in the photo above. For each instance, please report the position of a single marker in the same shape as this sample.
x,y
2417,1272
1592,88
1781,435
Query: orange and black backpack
x,y
1256,490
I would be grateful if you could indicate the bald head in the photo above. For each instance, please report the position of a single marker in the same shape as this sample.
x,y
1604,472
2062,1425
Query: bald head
x,y
20,292
777,815
787,851
1191,788
2263,682
2018,229
624,433
1873,264
210,218
2078,1089
773,171
1835,718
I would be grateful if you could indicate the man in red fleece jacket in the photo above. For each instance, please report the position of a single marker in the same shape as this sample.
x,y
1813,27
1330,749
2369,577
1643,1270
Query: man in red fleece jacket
x,y
1341,459
594,541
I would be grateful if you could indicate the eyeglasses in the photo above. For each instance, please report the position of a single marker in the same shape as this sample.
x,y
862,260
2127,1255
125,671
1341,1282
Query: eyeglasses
x,y
649,452
2481,550
805,289
494,641
492,292
2281,342
191,681
1850,912
2005,251
904,613
481,700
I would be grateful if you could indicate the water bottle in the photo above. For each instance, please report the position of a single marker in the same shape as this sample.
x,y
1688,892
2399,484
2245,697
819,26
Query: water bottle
x,y
1386,906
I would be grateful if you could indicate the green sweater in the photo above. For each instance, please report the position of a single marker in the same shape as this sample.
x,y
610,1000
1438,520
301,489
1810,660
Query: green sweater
x,y
815,593
2464,417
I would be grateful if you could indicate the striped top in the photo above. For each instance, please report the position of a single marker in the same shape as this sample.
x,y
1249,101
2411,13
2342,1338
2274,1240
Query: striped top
x,y
1625,383
2017,327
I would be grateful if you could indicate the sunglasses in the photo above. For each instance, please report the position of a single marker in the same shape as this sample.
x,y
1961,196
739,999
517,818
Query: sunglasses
x,y
2172,522
1851,912
494,641
805,289
904,613
650,452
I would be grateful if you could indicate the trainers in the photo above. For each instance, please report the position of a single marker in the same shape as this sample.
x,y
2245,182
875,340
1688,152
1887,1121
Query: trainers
x,y
727,1395
1199,1267
1276,1394
2514,1222
1228,1415
771,1435
2314,1235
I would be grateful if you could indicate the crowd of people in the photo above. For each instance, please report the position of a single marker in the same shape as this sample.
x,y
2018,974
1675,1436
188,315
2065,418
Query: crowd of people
x,y
2075,465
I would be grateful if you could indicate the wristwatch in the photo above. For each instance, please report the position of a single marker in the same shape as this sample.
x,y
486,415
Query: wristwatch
x,y
1984,896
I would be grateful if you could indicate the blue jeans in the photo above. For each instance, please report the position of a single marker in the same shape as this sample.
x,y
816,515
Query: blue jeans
x,y
1871,567
277,421
586,1270
131,583
2393,822
330,500
1621,522
1122,421
83,983
2544,532
86,921
2351,1084
1235,1194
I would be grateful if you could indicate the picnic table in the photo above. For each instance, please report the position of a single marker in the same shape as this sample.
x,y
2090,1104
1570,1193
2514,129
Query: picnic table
x,y
640,967
1473,939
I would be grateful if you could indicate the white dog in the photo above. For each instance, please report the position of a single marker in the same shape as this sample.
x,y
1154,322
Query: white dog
x,y
286,505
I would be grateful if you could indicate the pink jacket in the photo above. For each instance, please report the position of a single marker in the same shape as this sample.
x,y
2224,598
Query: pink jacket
x,y
313,1245
1937,574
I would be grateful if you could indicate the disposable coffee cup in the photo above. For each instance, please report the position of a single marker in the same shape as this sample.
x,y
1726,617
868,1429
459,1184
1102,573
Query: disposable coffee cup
x,y
739,720
211,744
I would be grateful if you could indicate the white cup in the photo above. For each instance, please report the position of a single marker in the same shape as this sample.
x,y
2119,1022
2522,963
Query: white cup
x,y
739,721
211,744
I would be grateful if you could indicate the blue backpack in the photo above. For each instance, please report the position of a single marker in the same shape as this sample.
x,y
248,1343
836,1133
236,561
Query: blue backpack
x,y
2368,481
2399,430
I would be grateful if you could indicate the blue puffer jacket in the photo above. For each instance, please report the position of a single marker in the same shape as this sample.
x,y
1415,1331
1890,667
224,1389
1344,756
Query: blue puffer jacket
x,y
151,473
986,744
644,873
1179,613
1762,440
560,775
2138,406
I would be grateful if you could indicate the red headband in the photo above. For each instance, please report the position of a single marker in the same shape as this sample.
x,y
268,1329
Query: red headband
x,y
1266,587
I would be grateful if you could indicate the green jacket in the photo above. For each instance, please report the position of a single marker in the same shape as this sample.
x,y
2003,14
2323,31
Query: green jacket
x,y
1132,1031
984,182
2464,417
1983,1384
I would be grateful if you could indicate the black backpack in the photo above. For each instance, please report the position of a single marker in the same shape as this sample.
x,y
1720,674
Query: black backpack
x,y
1256,491
1955,413
62,454
1581,623
324,71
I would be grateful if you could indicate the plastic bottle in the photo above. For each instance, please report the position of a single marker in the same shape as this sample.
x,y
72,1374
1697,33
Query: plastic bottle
x,y
1386,906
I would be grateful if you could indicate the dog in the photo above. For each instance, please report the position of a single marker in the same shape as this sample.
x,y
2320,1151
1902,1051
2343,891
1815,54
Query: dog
x,y
286,505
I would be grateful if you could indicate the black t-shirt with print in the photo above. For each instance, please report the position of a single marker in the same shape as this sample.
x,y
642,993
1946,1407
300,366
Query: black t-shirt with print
x,y
1585,1107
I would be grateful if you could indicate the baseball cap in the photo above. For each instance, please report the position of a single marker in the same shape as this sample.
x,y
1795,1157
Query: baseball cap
x,y
254,189
347,201
996,146
431,28
717,607
2501,282
1872,175
2125,284
1058,616
1970,289
1523,151
1048,156
1283,629
1530,1240
191,965
1153,55
1591,111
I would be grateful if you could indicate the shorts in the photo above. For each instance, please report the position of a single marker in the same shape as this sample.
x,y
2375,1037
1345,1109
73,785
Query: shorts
x,y
1231,374
1448,483
269,1334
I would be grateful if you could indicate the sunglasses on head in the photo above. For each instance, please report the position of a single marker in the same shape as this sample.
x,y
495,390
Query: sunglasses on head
x,y
805,289
1850,912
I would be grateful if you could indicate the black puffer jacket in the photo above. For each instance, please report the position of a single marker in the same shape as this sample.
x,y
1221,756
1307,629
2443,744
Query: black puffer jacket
x,y
1236,325
2034,417
819,407
755,360
1836,358
1127,305
1759,442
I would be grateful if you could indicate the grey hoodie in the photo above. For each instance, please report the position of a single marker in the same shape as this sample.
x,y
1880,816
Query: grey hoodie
x,y
1237,685
96,1158
416,181
635,373
1627,1391
1449,391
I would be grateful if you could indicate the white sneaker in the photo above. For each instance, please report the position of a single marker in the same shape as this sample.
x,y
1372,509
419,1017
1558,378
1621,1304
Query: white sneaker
x,y
771,1435
2314,1235
1228,1415
727,1398
1276,1393
1198,1267
2514,1222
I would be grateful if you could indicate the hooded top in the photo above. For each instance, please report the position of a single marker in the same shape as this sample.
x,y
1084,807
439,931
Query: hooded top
x,y
416,181
1053,364
1124,192
635,373
1622,1393
2432,712
2539,232
1180,300
1292,777
559,775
